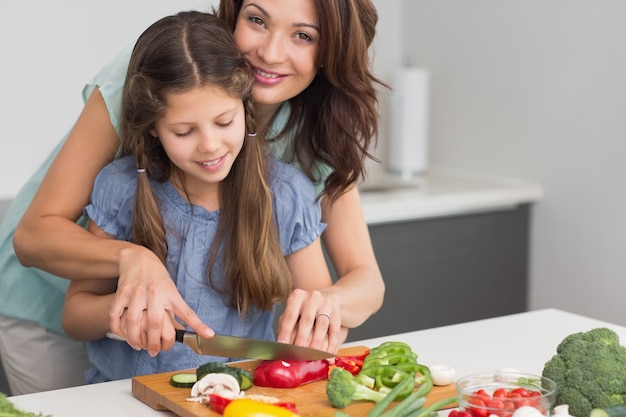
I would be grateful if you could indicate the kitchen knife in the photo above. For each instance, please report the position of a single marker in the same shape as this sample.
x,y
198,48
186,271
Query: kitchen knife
x,y
241,347
244,348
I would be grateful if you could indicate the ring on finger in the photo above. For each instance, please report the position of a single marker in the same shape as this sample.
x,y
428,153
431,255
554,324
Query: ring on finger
x,y
322,314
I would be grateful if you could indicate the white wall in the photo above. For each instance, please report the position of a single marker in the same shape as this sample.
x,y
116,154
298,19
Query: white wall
x,y
49,50
527,88
537,89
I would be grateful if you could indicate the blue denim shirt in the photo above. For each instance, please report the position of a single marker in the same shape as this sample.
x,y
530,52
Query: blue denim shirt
x,y
190,234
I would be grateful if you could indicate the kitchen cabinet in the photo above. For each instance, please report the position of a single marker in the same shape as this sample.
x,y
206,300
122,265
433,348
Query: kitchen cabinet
x,y
447,270
453,248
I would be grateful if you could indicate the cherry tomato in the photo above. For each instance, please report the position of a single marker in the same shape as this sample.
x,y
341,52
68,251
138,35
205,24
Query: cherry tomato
x,y
494,403
501,393
523,392
481,394
479,407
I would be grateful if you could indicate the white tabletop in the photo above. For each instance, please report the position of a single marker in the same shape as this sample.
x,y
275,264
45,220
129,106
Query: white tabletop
x,y
523,341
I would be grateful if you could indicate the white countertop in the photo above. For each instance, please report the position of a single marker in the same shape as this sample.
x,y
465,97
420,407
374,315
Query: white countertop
x,y
524,341
442,192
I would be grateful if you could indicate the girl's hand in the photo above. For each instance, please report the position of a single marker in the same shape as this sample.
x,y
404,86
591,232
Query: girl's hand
x,y
312,319
146,299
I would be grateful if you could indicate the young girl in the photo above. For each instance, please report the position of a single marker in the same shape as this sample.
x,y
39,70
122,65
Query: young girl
x,y
197,188
324,127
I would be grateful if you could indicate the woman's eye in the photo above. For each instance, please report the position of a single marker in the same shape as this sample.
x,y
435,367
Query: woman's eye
x,y
256,20
182,134
303,36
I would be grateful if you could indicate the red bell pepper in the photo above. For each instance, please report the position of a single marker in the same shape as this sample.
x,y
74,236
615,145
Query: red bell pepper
x,y
351,363
218,403
289,374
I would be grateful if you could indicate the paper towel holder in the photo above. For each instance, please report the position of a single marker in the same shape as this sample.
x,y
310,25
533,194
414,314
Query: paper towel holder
x,y
409,121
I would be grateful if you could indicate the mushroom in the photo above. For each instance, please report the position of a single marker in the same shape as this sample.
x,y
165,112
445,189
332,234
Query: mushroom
x,y
225,385
442,374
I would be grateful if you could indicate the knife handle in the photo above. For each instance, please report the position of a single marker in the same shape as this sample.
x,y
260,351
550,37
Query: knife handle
x,y
180,335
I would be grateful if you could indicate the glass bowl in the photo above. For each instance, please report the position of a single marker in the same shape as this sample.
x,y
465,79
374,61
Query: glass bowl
x,y
501,393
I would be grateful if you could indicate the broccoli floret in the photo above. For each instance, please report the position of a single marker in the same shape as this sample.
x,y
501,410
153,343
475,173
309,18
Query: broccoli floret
x,y
589,369
342,389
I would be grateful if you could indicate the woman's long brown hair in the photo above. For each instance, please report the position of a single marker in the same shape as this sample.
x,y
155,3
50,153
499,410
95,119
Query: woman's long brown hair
x,y
174,55
336,116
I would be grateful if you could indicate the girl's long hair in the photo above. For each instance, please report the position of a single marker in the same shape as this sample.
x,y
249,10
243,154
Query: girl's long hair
x,y
336,116
174,55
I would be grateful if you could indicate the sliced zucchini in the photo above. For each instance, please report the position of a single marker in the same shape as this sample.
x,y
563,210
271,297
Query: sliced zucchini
x,y
246,379
233,372
210,368
183,380
243,377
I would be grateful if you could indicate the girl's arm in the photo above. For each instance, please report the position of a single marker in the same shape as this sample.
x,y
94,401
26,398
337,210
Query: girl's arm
x,y
88,301
48,237
357,294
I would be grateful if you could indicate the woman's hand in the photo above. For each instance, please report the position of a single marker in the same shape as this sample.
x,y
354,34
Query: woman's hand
x,y
312,319
145,302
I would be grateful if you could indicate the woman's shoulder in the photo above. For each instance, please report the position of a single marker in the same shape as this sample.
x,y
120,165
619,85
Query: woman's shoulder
x,y
110,82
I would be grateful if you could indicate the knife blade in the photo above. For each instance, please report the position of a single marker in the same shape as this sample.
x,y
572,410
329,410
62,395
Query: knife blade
x,y
241,347
247,348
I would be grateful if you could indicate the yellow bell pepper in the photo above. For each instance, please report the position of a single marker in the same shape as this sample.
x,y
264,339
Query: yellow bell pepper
x,y
243,407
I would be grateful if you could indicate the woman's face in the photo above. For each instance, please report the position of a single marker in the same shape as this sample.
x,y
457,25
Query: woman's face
x,y
202,132
280,40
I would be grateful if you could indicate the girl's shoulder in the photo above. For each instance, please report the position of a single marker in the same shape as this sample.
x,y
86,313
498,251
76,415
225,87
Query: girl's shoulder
x,y
287,178
116,178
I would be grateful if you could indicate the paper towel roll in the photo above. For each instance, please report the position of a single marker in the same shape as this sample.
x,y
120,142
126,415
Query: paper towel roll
x,y
409,122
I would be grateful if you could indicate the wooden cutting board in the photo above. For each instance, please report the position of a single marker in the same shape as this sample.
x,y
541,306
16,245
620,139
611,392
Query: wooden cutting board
x,y
155,390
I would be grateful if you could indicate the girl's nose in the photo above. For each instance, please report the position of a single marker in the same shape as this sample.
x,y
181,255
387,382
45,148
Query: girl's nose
x,y
209,142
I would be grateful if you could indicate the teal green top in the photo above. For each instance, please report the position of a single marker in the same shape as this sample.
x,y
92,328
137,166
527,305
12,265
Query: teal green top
x,y
34,295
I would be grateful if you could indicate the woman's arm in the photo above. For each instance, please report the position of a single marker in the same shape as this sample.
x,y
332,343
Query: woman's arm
x,y
360,287
48,237
299,323
60,199
357,294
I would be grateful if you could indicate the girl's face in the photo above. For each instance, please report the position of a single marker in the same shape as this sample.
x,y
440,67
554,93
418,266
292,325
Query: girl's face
x,y
202,132
280,40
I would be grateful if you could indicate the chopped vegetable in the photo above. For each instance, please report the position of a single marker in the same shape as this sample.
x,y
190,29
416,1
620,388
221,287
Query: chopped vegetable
x,y
243,377
417,398
218,403
442,374
210,368
388,364
247,380
431,409
183,380
589,369
244,407
351,363
289,374
222,384
342,389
